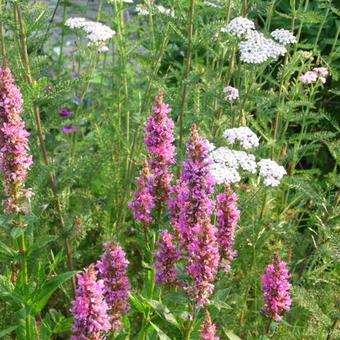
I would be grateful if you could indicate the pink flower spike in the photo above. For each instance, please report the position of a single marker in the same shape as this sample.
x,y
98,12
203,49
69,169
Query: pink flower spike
x,y
208,329
276,289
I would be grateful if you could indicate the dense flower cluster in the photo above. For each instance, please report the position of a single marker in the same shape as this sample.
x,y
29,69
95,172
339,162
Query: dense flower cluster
x,y
276,289
15,160
271,172
144,10
318,73
143,202
208,329
166,258
159,142
196,233
213,3
112,269
227,218
230,93
257,49
90,309
284,37
239,27
243,135
97,33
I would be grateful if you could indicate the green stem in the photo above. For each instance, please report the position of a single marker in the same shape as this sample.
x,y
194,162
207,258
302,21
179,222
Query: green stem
x,y
60,59
186,72
268,326
36,110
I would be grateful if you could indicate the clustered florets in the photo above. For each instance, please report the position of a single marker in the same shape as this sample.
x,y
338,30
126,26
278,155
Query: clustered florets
x,y
208,329
318,73
230,93
239,27
243,135
15,160
97,33
271,172
283,36
276,289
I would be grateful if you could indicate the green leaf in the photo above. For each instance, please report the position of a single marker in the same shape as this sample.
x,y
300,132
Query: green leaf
x,y
160,333
7,253
7,331
231,335
164,311
44,293
137,304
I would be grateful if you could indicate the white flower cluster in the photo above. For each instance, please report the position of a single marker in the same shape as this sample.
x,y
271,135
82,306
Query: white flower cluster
x,y
126,1
318,73
271,172
143,10
227,163
230,93
243,135
97,33
283,36
213,3
257,49
239,27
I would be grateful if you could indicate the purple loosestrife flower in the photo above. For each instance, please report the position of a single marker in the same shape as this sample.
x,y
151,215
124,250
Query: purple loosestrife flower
x,y
227,218
112,269
89,308
196,232
208,329
70,129
276,289
166,258
143,202
64,112
159,142
15,160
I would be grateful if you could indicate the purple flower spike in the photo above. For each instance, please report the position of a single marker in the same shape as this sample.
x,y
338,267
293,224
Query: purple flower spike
x,y
15,160
208,329
64,112
159,142
166,259
70,129
276,289
196,233
143,202
112,269
89,308
227,218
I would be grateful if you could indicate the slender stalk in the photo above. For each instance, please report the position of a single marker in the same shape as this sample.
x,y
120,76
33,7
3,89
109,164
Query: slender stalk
x,y
329,336
189,325
36,110
61,51
268,326
186,72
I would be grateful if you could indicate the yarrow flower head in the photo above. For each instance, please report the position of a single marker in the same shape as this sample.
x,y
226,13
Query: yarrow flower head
x,y
284,37
257,49
318,73
97,33
271,172
112,269
213,3
246,137
142,10
91,319
276,289
208,329
159,141
143,202
239,27
15,160
166,11
227,218
230,93
166,258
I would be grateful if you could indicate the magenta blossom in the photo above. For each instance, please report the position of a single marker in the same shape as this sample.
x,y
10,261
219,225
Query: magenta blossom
x,y
64,112
208,329
159,141
227,218
197,234
276,289
90,309
15,160
143,202
70,129
166,259
112,269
